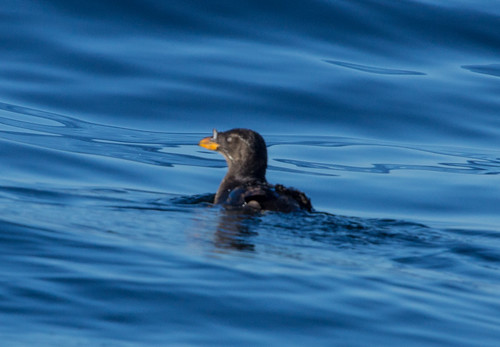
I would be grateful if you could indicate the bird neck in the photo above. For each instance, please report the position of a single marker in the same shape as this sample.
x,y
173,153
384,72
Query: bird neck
x,y
245,170
236,178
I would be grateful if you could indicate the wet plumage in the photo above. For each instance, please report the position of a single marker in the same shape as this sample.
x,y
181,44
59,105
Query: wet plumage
x,y
245,183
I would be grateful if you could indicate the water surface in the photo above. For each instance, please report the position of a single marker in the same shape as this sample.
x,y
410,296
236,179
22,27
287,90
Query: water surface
x,y
384,113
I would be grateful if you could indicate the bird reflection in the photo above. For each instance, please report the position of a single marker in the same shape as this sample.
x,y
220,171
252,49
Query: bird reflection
x,y
234,229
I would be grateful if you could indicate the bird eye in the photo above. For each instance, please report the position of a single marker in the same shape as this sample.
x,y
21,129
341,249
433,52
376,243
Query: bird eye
x,y
229,139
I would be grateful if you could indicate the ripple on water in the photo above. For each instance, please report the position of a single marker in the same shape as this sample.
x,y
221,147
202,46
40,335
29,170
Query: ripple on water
x,y
490,69
375,70
125,225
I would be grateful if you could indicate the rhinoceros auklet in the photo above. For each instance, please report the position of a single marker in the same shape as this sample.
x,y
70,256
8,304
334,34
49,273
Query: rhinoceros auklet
x,y
245,183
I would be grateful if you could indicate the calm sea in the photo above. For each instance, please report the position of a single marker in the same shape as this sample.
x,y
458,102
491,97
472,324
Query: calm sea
x,y
386,113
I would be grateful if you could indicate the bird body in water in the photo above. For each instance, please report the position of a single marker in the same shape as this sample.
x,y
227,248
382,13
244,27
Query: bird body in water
x,y
245,183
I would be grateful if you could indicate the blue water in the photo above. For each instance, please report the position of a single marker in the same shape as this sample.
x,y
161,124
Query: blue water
x,y
386,113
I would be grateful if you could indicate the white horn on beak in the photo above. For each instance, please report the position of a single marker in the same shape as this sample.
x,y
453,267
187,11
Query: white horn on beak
x,y
214,134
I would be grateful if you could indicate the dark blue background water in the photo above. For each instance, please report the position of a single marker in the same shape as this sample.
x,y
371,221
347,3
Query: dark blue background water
x,y
385,112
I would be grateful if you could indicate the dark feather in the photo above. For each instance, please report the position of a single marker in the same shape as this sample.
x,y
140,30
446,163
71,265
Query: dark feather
x,y
245,183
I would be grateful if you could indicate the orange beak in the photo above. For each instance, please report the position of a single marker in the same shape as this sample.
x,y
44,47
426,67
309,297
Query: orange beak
x,y
209,143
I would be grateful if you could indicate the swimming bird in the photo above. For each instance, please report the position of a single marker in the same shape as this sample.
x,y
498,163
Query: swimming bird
x,y
245,184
